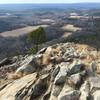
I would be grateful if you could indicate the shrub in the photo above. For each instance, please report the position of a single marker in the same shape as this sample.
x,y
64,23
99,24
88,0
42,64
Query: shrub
x,y
36,38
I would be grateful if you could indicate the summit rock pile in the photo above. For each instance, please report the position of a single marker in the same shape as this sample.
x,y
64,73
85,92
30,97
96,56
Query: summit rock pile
x,y
64,71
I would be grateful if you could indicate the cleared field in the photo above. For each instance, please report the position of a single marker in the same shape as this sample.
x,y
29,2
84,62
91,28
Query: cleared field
x,y
21,31
71,28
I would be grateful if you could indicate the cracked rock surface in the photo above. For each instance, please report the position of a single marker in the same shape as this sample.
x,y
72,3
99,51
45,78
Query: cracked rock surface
x,y
64,71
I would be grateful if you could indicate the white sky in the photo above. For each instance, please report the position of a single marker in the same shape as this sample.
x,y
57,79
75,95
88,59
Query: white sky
x,y
46,1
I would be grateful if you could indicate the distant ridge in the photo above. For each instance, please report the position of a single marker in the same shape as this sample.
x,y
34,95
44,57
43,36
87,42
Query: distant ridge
x,y
43,6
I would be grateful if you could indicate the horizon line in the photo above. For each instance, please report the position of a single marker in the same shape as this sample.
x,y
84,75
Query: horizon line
x,y
53,3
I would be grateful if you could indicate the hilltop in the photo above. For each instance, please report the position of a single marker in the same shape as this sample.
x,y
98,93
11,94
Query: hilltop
x,y
64,71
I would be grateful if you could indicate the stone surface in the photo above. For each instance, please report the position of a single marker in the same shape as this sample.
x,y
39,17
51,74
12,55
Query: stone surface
x,y
55,72
29,65
10,91
85,90
68,93
94,82
76,79
39,87
55,91
64,71
96,95
61,76
76,67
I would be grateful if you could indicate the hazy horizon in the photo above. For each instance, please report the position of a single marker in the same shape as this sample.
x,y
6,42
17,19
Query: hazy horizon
x,y
46,1
53,3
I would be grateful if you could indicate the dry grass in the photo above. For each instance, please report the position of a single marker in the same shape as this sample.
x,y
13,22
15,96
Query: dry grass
x,y
71,28
20,31
90,53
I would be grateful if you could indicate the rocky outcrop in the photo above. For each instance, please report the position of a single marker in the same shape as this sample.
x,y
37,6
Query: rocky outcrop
x,y
12,90
65,71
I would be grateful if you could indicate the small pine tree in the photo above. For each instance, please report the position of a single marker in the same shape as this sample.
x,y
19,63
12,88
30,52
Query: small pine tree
x,y
36,38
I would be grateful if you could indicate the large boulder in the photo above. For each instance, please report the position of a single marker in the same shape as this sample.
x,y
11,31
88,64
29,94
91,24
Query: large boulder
x,y
14,89
29,65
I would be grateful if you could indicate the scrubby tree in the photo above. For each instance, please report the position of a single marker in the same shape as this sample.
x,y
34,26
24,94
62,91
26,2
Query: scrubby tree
x,y
36,38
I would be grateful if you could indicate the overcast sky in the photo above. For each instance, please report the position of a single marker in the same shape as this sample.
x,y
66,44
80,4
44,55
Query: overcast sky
x,y
46,1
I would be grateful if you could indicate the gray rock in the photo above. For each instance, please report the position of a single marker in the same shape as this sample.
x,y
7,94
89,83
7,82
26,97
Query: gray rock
x,y
94,82
76,79
98,67
61,76
68,93
76,67
96,95
70,52
85,90
47,94
29,65
56,90
5,61
27,68
17,88
41,51
40,86
55,72
91,71
93,66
